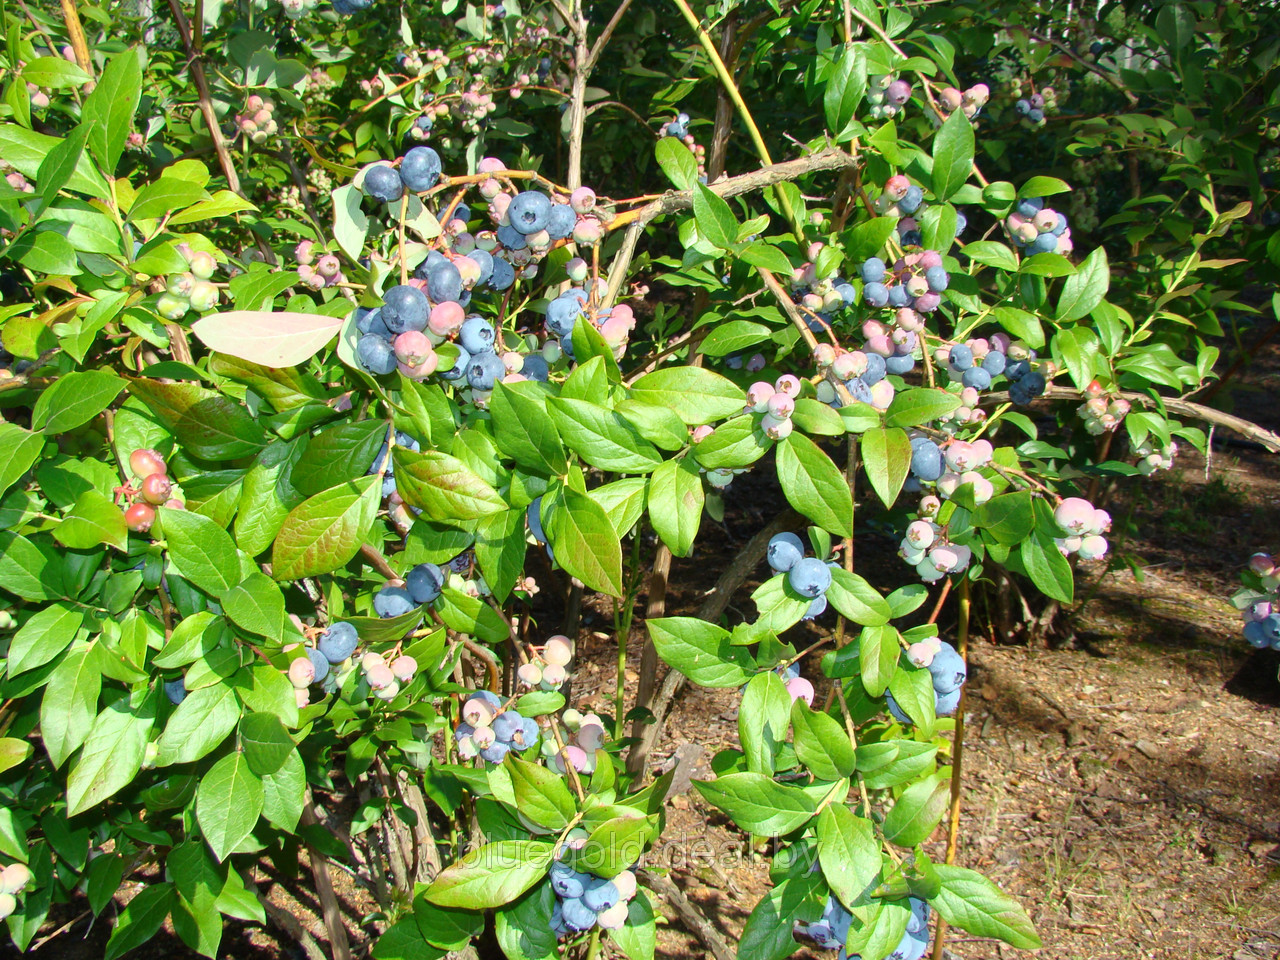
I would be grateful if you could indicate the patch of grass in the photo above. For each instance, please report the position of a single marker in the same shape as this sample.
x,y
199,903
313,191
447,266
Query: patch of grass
x,y
1192,508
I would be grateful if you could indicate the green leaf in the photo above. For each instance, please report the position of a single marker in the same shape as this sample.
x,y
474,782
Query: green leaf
x,y
602,437
763,718
735,443
443,486
60,165
201,551
821,743
74,400
209,425
992,254
814,485
257,605
886,456
93,520
13,752
701,651
466,614
337,455
715,220
918,405
658,425
49,631
677,162
759,805
53,72
869,237
1008,518
848,852
815,417
266,743
846,86
952,155
1047,567
918,810
223,204
492,875
500,550
284,793
18,451
856,599
25,150
878,654
1043,187
202,721
586,544
761,254
141,919
733,336
892,763
228,803
973,903
108,111
25,571
698,396
523,927
768,931
676,499
541,794
322,533
1085,288
524,431
912,689
112,755
69,704
164,196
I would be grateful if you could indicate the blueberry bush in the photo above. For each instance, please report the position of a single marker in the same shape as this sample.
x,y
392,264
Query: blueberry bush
x,y
350,348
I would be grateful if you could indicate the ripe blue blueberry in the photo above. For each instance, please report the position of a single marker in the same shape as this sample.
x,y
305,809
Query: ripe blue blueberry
x,y
320,662
484,259
899,365
504,274
420,169
976,377
561,221
947,669
535,368
405,307
1030,206
176,690
809,577
994,363
375,354
382,182
369,320
424,582
563,313
898,295
872,270
444,282
476,336
961,357
875,294
816,609
937,278
338,642
600,895
944,704
1045,243
568,885
529,211
911,202
875,370
496,752
484,370
926,459
1254,632
511,238
507,724
577,915
784,552
392,602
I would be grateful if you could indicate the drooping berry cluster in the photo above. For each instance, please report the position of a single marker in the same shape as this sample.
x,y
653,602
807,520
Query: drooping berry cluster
x,y
1085,526
1153,456
1101,413
776,401
316,268
584,900
887,95
1027,379
1032,109
385,678
832,931
946,669
970,101
1037,228
190,290
550,666
588,737
1259,602
257,122
491,731
808,576
150,487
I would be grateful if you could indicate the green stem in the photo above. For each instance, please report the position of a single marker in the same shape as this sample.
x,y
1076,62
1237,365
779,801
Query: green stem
x,y
708,45
593,949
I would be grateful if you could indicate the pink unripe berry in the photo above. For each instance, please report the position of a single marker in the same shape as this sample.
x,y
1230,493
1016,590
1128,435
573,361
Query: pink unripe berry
x,y
583,200
920,534
588,230
1092,547
800,689
446,318
1262,564
554,674
413,347
530,674
403,668
557,651
758,395
824,355
1074,515
144,462
882,395
789,385
781,406
302,672
896,187
380,676
921,654
774,428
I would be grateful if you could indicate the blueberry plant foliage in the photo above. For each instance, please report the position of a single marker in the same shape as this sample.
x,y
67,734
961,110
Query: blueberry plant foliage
x,y
321,361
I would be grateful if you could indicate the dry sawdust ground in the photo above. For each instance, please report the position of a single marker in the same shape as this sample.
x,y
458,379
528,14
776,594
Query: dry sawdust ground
x,y
1125,787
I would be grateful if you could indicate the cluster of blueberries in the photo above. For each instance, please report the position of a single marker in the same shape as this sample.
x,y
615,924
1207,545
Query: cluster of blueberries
x,y
887,95
422,584
615,323
832,931
777,401
1262,609
584,900
1102,413
947,670
489,731
385,678
1085,525
1037,228
904,200
580,750
1031,107
332,648
154,488
917,281
807,576
678,128
550,667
